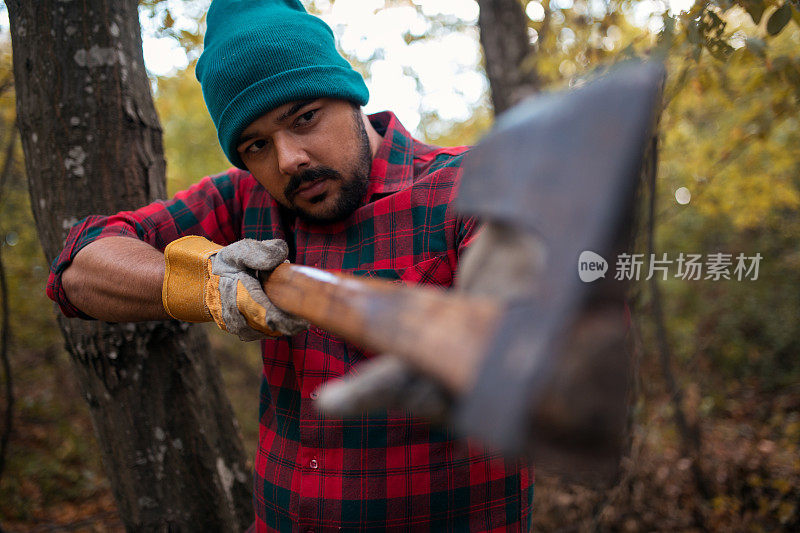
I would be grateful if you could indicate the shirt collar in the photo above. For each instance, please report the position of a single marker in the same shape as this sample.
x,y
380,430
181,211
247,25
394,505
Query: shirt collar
x,y
393,164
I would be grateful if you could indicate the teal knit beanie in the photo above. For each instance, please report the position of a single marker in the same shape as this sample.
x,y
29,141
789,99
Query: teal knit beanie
x,y
261,54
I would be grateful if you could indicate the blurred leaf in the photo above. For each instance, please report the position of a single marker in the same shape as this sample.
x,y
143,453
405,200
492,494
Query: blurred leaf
x,y
693,33
720,49
190,139
755,8
756,45
779,19
716,22
168,20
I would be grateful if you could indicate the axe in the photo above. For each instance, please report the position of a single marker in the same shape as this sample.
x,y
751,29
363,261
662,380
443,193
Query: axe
x,y
535,357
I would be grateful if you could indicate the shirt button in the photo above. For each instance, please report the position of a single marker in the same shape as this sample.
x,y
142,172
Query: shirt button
x,y
313,464
314,395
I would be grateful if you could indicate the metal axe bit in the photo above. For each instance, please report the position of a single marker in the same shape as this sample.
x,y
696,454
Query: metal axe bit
x,y
565,168
556,176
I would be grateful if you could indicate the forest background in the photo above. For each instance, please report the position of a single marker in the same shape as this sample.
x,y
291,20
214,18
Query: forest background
x,y
716,428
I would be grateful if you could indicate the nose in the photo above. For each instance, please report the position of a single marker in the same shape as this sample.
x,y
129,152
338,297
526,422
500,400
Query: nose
x,y
292,156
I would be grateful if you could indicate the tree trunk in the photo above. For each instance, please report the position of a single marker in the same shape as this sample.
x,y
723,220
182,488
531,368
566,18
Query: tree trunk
x,y
507,52
92,144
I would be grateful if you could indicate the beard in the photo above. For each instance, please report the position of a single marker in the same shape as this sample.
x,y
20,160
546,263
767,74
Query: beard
x,y
353,186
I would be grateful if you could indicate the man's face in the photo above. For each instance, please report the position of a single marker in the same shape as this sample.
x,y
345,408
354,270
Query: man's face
x,y
313,157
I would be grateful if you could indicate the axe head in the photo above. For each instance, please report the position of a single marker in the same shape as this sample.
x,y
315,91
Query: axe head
x,y
569,154
564,166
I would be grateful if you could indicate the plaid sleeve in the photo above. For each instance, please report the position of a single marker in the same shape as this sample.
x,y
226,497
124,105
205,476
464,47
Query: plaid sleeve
x,y
211,208
468,230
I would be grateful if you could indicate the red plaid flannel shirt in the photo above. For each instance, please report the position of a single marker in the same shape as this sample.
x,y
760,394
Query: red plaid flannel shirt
x,y
388,471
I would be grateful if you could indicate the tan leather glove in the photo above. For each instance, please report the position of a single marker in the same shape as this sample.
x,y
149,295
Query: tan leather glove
x,y
204,281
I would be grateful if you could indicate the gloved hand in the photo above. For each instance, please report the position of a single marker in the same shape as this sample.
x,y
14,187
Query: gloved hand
x,y
204,281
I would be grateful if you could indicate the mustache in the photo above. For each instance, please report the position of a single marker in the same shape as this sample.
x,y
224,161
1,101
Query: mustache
x,y
309,176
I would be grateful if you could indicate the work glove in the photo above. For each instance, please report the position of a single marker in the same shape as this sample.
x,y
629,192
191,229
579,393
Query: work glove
x,y
204,281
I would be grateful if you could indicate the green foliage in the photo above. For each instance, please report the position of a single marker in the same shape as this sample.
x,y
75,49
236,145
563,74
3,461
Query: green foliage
x,y
24,261
573,41
730,135
466,133
190,139
191,14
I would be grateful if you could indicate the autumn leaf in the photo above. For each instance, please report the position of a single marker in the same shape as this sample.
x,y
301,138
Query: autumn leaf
x,y
755,8
779,19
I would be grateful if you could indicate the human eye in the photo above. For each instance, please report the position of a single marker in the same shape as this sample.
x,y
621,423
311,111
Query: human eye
x,y
306,118
255,146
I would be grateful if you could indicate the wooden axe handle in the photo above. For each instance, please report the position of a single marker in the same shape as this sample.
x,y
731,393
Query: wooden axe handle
x,y
445,334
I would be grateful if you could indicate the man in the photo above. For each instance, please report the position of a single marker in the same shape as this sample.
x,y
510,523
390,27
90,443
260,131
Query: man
x,y
318,183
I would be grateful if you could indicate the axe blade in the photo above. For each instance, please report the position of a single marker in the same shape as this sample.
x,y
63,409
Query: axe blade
x,y
559,155
564,166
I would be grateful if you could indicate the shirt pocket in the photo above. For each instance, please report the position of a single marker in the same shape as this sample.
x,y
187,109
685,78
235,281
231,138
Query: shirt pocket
x,y
435,271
